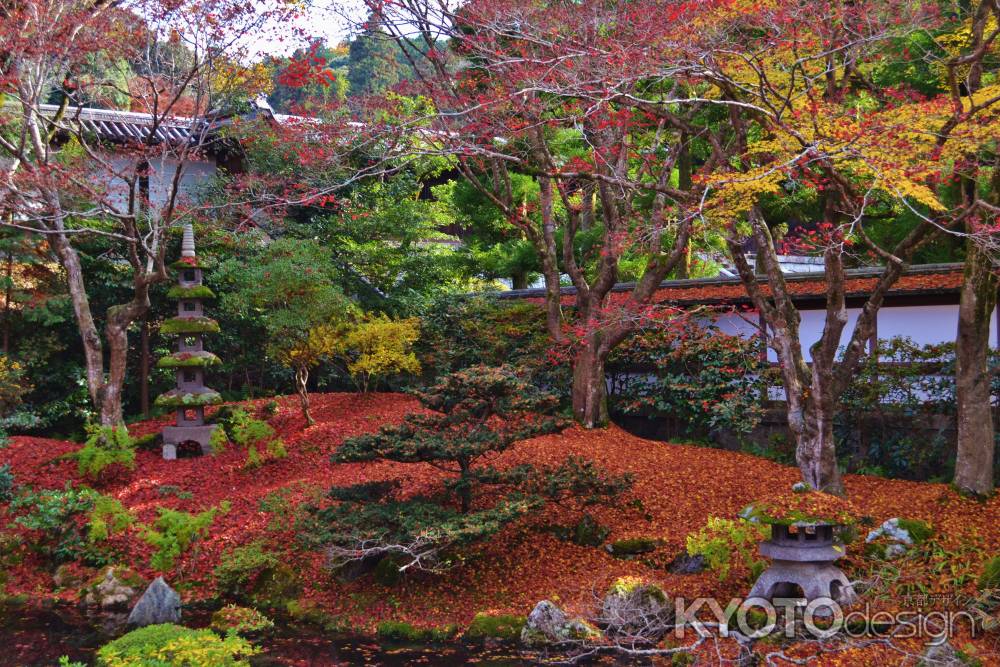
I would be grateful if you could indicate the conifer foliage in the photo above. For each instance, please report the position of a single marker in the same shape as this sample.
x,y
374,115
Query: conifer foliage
x,y
473,415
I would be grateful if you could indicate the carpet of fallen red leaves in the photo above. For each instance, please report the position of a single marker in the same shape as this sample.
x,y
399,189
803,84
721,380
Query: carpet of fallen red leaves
x,y
679,487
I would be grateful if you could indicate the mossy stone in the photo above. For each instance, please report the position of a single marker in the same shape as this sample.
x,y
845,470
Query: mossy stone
x,y
495,626
275,587
387,572
633,546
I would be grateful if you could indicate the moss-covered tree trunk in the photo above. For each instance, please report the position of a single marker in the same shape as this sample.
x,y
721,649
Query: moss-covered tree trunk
x,y
974,463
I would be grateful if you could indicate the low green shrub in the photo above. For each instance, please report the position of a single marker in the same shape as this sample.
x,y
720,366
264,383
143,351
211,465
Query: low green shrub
x,y
990,578
585,533
105,446
170,645
721,541
57,516
495,626
107,517
173,532
241,620
255,435
238,568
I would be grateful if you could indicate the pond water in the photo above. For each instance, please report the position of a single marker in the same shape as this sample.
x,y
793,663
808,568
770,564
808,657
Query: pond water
x,y
38,637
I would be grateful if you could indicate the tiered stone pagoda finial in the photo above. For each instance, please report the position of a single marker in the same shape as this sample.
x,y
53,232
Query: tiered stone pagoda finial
x,y
190,360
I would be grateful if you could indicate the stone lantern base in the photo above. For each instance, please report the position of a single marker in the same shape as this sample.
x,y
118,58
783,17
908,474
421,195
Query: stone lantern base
x,y
816,579
178,435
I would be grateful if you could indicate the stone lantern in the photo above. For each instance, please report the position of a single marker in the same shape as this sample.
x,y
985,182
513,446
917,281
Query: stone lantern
x,y
803,559
803,547
191,396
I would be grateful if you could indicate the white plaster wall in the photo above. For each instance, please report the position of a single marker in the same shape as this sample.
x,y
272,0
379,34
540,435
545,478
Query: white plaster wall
x,y
194,174
925,324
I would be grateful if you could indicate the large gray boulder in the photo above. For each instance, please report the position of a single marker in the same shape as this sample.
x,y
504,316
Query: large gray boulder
x,y
159,604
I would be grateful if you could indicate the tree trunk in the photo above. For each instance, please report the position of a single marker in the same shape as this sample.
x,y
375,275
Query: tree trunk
x,y
816,449
91,340
301,387
974,463
8,295
519,280
590,394
116,334
144,362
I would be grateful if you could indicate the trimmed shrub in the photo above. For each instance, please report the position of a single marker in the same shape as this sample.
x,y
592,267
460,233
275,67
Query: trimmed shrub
x,y
169,645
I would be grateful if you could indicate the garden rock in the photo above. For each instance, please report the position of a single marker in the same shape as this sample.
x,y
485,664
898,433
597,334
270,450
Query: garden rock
x,y
893,540
684,563
891,530
941,655
159,604
115,590
548,624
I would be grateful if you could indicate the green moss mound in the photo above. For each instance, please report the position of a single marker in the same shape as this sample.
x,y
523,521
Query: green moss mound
x,y
189,360
196,292
183,399
189,325
400,631
169,645
633,546
495,626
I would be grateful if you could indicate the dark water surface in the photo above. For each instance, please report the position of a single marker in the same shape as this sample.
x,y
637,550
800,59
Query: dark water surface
x,y
32,637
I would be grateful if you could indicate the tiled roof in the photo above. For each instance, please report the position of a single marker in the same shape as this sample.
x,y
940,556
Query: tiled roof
x,y
126,126
926,279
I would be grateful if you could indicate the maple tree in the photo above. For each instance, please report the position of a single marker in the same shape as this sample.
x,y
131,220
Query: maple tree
x,y
59,182
813,118
554,119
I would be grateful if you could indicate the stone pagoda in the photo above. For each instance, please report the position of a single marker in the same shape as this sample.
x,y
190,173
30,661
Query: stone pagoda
x,y
190,360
